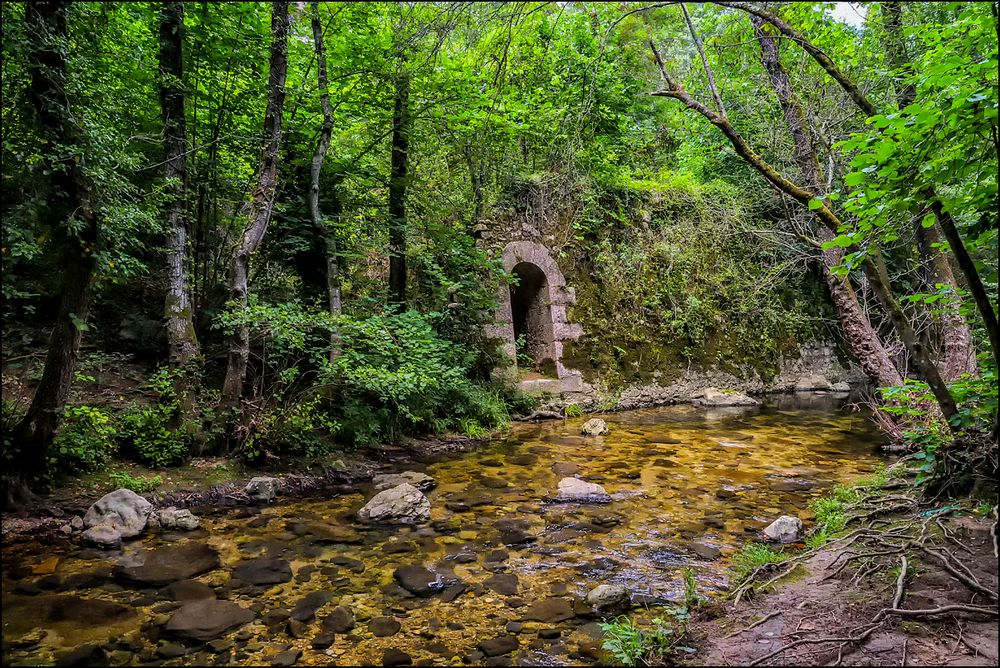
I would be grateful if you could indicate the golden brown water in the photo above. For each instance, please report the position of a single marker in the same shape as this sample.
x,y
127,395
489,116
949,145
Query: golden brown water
x,y
681,478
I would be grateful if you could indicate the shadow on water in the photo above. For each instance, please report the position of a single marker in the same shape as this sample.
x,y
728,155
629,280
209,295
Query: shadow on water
x,y
689,486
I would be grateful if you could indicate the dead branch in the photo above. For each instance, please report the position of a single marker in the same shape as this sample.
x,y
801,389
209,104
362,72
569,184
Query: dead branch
x,y
813,641
898,598
971,609
964,578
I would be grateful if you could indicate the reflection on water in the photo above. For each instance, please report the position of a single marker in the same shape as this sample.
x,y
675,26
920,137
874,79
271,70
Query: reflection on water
x,y
689,486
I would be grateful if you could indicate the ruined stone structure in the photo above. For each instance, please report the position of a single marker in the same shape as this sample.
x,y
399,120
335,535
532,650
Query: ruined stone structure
x,y
535,309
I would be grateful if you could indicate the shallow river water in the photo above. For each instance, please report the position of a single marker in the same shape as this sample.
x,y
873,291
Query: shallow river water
x,y
689,486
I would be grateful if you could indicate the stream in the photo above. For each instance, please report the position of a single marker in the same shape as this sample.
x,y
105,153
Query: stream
x,y
689,486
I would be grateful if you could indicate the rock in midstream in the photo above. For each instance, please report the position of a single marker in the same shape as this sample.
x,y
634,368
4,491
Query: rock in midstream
x,y
402,504
122,509
581,491
594,427
208,619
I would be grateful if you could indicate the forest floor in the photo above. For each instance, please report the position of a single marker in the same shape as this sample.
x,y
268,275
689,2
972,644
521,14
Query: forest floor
x,y
831,607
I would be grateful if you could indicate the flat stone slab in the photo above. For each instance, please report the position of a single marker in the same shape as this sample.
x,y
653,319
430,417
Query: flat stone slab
x,y
171,563
208,619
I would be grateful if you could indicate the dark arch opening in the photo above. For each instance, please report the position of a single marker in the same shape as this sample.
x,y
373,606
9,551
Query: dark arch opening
x,y
530,311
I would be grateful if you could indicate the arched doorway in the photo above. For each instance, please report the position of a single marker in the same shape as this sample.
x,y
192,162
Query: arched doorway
x,y
531,316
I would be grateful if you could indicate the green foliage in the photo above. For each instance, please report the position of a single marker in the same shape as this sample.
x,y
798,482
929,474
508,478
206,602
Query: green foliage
x,y
138,484
631,645
85,441
572,411
148,437
751,556
303,429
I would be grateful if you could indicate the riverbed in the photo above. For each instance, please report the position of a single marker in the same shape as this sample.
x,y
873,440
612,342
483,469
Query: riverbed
x,y
689,487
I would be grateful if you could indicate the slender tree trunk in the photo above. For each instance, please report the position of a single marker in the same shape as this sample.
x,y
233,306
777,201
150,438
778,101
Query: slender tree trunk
x,y
397,191
861,337
944,219
322,146
68,200
873,270
178,312
959,346
261,206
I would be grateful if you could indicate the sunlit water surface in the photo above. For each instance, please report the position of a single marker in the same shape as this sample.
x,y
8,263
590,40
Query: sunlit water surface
x,y
689,487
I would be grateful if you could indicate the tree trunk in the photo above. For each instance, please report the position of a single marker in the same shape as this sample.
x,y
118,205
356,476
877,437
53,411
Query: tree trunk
x,y
397,192
861,337
873,271
180,327
959,346
261,206
322,146
68,199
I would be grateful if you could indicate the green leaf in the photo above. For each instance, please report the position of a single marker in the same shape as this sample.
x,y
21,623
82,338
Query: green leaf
x,y
928,221
815,203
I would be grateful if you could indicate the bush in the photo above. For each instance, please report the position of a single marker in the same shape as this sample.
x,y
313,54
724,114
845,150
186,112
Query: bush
x,y
148,439
138,484
83,442
751,556
306,428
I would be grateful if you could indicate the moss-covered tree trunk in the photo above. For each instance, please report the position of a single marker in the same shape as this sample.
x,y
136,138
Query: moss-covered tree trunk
x,y
261,206
859,334
68,212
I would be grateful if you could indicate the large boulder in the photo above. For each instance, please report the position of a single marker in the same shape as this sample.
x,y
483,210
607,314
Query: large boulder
x,y
785,529
263,488
122,509
104,536
171,563
207,619
711,396
609,597
581,491
594,427
402,504
421,481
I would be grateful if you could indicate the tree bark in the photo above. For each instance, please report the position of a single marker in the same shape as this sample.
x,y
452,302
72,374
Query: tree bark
x,y
947,223
322,146
397,191
261,206
68,198
959,345
861,337
181,335
872,270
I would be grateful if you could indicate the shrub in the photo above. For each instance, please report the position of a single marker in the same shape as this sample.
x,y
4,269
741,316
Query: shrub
x,y
149,440
138,484
83,442
306,428
572,411
630,645
751,556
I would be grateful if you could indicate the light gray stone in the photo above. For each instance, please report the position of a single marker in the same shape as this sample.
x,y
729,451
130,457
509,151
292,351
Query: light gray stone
x,y
403,504
172,518
842,386
263,488
785,529
711,396
104,536
581,491
609,597
123,509
811,382
594,427
421,481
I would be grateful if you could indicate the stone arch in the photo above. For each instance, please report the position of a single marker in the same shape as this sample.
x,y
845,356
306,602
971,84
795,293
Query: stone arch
x,y
537,307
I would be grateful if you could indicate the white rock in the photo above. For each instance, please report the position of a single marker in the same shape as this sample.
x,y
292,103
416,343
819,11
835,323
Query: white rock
x,y
609,597
594,427
785,529
711,396
421,481
263,488
402,504
812,381
171,518
122,509
103,535
581,491
842,386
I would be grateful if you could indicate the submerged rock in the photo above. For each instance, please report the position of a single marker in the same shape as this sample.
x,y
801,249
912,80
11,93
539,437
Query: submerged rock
x,y
104,536
263,488
785,529
396,657
499,646
421,481
171,563
207,619
711,396
594,427
403,504
550,610
383,627
341,620
263,571
420,581
122,509
306,608
609,597
581,491
189,590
